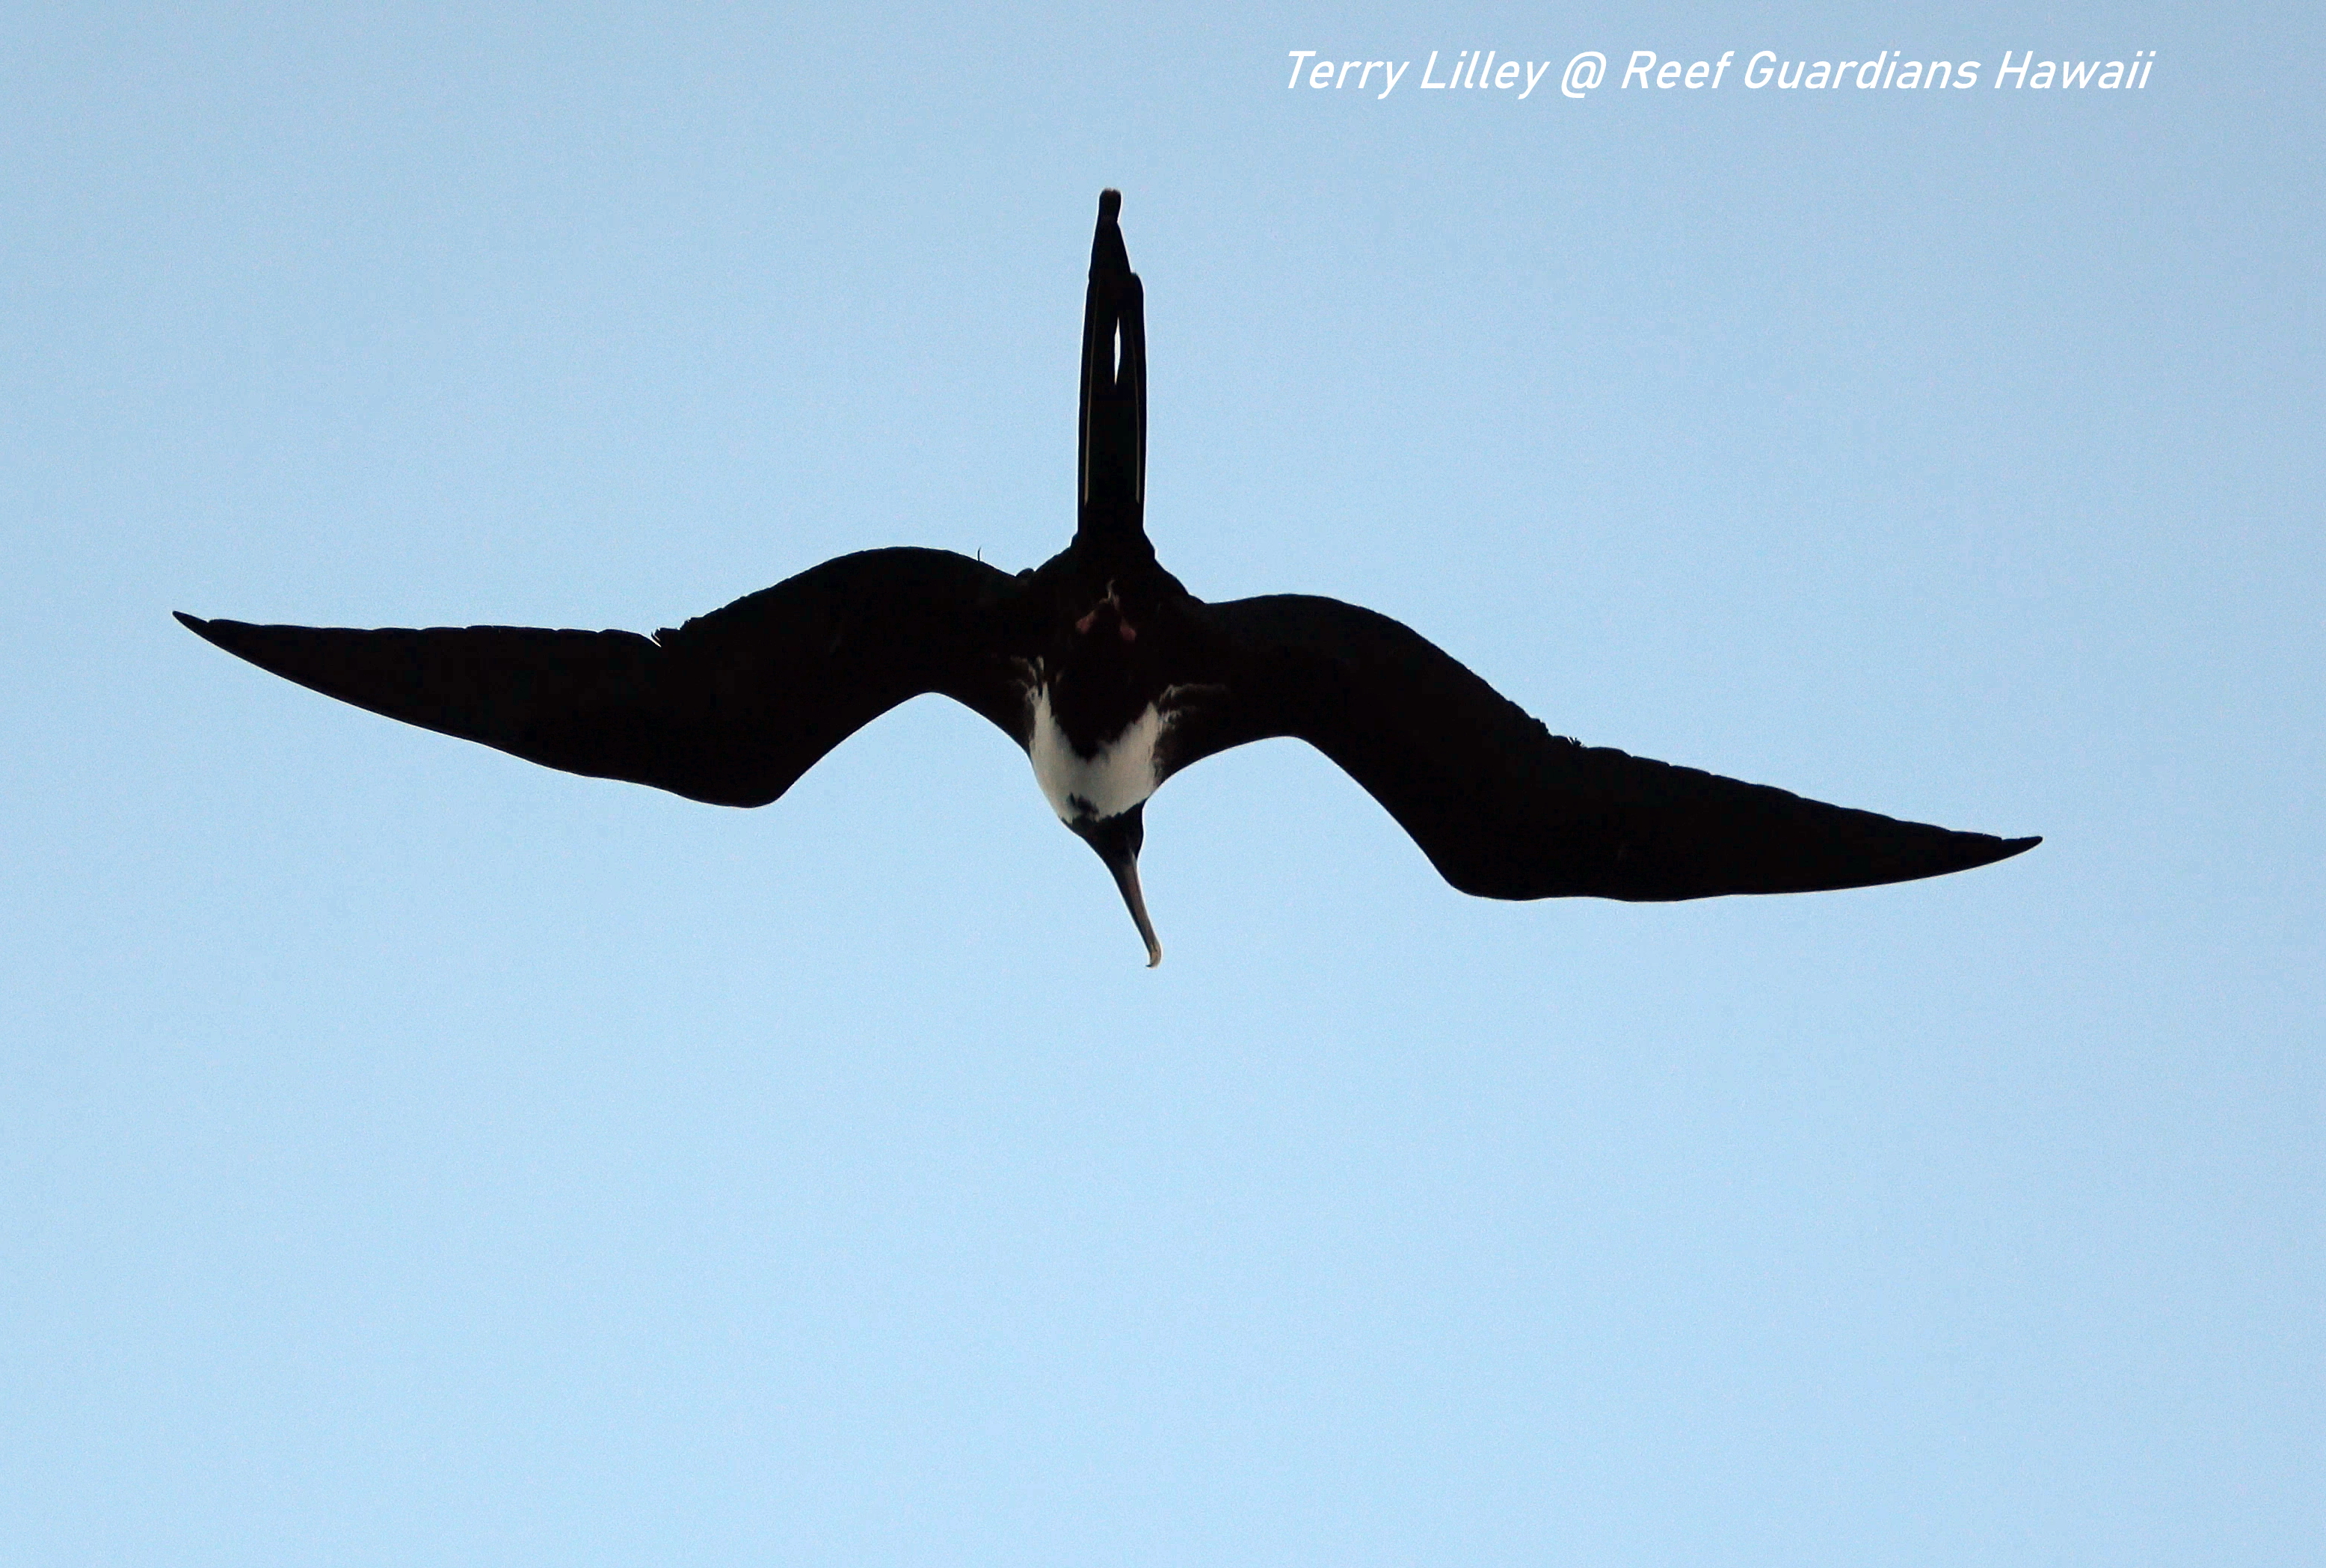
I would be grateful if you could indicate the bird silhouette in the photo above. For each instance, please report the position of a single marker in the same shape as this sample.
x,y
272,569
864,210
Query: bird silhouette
x,y
1112,676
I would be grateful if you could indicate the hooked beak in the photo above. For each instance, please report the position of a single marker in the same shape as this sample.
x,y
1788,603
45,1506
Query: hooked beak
x,y
1126,877
1117,840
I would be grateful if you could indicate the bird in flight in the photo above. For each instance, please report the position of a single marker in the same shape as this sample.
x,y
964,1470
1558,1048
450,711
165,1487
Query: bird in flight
x,y
1112,676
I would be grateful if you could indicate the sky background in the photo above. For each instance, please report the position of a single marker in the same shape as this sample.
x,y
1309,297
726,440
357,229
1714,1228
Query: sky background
x,y
410,1155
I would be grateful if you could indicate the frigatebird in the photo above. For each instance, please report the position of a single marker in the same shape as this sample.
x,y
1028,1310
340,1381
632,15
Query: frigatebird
x,y
1112,676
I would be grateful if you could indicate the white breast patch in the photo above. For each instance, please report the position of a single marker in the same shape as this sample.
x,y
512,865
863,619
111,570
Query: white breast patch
x,y
1081,788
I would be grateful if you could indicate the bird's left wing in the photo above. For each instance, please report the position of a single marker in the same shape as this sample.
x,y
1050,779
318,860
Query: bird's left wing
x,y
1500,805
730,708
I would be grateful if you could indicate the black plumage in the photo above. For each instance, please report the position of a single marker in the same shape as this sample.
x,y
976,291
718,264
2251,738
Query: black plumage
x,y
1112,677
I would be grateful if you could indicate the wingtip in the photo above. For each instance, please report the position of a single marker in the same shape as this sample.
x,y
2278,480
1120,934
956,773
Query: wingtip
x,y
193,623
1110,204
1997,850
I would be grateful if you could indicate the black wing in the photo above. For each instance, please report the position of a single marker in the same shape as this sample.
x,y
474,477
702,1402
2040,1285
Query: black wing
x,y
730,708
1503,807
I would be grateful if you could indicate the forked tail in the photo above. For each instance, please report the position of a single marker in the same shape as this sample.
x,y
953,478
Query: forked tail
x,y
1113,438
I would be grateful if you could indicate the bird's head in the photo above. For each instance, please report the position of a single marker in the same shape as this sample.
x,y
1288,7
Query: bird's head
x,y
1116,839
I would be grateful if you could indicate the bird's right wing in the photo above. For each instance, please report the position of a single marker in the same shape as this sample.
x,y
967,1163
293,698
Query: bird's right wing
x,y
730,708
1500,805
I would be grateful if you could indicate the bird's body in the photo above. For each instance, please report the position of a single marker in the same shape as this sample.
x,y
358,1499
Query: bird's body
x,y
1112,676
1119,772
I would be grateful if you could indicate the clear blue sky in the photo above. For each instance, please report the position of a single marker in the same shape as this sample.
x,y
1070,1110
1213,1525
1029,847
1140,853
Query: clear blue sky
x,y
409,1155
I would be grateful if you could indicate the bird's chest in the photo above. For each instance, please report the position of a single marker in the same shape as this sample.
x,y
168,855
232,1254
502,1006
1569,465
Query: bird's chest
x,y
1114,774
